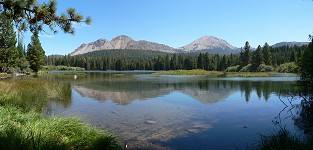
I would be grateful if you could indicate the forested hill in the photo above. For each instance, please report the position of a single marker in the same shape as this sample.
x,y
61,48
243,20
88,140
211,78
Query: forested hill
x,y
126,54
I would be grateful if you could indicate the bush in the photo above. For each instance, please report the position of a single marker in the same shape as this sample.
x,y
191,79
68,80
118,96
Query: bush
x,y
245,68
287,68
265,68
232,68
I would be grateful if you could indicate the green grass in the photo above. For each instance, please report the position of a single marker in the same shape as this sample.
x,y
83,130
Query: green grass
x,y
31,131
283,140
245,74
33,94
23,127
188,72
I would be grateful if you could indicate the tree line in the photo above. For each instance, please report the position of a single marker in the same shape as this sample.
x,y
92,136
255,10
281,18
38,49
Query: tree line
x,y
264,58
29,15
14,57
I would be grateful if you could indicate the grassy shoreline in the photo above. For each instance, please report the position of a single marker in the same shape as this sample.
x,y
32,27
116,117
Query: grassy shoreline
x,y
22,125
213,73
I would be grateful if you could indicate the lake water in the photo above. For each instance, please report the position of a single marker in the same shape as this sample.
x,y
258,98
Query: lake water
x,y
178,112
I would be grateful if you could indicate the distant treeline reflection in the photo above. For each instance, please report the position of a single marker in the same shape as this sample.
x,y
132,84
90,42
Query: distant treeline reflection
x,y
102,87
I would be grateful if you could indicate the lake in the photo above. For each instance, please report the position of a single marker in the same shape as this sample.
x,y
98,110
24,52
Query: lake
x,y
178,112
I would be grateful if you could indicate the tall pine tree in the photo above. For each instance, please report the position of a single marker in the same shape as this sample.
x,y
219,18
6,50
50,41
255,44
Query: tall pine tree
x,y
257,59
8,52
35,53
245,55
267,55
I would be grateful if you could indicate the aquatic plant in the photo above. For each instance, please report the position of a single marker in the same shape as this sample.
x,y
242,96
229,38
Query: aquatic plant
x,y
33,94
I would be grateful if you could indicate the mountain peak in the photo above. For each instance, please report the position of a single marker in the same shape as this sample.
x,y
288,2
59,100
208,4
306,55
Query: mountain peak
x,y
207,43
122,37
121,42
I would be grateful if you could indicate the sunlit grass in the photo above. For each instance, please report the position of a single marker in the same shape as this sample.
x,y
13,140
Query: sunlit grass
x,y
23,127
33,94
246,74
31,131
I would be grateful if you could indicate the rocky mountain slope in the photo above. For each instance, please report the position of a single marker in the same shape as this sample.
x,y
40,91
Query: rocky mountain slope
x,y
204,44
121,42
210,44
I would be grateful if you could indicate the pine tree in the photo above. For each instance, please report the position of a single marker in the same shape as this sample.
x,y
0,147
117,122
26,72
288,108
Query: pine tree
x,y
22,63
257,59
30,15
292,57
200,61
35,53
267,55
306,69
247,54
8,52
223,63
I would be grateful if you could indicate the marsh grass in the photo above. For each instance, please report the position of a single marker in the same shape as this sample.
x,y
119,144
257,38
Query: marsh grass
x,y
284,140
23,127
33,94
245,74
31,131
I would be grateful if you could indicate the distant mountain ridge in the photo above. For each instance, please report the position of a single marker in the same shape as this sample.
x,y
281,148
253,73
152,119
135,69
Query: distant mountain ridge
x,y
121,42
280,44
204,44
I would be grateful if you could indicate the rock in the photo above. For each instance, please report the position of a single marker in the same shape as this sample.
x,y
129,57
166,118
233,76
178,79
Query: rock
x,y
151,122
192,130
114,112
244,126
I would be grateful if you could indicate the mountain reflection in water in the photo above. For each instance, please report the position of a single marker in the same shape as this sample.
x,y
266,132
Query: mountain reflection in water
x,y
177,112
124,90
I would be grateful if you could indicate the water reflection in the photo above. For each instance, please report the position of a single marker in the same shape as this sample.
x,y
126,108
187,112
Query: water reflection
x,y
124,89
178,112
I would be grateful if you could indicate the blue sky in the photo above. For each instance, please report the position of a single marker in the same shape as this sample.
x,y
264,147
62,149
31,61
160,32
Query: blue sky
x,y
178,22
